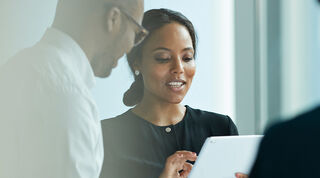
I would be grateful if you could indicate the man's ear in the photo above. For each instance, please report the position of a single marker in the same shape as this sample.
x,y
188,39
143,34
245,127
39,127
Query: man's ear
x,y
113,19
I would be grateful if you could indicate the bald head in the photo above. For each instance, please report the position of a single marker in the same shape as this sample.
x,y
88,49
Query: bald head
x,y
80,9
100,28
131,6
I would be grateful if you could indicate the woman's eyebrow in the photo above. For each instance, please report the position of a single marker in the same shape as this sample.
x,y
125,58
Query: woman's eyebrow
x,y
166,49
161,48
187,49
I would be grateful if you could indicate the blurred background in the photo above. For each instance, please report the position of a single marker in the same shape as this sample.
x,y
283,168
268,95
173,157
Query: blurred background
x,y
258,60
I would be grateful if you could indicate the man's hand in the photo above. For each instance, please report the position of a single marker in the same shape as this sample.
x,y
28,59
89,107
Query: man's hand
x,y
241,175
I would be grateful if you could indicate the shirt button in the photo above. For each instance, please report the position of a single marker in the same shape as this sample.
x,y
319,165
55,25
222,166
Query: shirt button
x,y
168,129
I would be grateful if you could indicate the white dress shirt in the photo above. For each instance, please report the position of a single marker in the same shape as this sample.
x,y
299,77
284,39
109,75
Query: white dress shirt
x,y
49,126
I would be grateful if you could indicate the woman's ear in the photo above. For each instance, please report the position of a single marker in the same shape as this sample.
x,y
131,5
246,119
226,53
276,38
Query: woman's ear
x,y
135,69
136,65
114,19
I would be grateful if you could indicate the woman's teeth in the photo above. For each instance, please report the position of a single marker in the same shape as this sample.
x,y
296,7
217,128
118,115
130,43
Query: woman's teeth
x,y
175,84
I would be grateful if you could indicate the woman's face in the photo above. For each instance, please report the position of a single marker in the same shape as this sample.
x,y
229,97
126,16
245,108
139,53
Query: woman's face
x,y
167,64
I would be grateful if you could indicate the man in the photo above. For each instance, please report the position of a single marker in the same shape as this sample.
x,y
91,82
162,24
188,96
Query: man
x,y
49,126
290,149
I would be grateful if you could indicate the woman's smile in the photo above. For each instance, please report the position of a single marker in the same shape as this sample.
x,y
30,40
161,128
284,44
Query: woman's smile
x,y
176,85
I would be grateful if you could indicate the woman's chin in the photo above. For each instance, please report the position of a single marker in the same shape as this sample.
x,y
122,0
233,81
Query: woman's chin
x,y
175,100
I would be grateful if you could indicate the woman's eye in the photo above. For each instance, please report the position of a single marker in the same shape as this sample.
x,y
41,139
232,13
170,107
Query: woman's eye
x,y
162,60
187,59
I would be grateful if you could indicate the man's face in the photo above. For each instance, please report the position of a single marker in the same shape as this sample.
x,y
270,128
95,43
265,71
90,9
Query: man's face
x,y
117,43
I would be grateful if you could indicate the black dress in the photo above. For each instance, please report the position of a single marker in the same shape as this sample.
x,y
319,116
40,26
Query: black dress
x,y
136,148
290,149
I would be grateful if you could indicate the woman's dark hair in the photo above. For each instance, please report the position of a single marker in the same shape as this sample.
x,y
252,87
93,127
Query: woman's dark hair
x,y
152,20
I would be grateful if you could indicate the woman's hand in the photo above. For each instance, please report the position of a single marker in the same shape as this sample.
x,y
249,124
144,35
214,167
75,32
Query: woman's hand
x,y
177,165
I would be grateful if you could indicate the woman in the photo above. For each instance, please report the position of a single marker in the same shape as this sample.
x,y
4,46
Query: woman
x,y
159,136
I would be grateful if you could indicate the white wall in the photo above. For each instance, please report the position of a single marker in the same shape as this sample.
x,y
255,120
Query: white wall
x,y
301,55
22,23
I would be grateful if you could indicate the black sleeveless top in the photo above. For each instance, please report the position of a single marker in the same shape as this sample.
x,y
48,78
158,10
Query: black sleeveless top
x,y
136,148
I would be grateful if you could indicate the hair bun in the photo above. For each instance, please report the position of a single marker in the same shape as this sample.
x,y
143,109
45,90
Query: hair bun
x,y
134,94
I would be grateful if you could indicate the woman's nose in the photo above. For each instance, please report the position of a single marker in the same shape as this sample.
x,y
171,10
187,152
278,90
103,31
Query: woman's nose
x,y
177,66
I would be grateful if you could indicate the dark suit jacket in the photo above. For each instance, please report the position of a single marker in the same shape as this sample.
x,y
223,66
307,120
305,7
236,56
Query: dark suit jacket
x,y
290,149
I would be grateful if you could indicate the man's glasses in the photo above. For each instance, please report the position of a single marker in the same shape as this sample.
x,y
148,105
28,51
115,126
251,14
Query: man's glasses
x,y
140,33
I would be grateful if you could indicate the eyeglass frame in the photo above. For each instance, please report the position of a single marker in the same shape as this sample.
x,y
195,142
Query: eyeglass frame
x,y
142,32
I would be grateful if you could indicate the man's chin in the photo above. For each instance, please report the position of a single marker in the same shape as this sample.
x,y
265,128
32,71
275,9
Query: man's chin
x,y
103,74
102,68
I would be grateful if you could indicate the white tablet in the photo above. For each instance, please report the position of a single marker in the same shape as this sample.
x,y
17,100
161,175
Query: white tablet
x,y
222,157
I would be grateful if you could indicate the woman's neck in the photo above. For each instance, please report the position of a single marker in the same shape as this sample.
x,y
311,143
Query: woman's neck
x,y
159,113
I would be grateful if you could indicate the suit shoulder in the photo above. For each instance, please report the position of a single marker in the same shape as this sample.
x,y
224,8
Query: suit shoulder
x,y
301,126
308,119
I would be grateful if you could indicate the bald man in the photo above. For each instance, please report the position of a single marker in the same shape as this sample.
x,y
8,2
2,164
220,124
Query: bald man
x,y
49,125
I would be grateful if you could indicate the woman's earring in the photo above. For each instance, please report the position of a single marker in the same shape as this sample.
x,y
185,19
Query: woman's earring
x,y
136,72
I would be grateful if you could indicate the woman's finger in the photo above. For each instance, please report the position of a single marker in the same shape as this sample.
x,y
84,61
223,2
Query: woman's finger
x,y
177,163
187,167
187,155
180,157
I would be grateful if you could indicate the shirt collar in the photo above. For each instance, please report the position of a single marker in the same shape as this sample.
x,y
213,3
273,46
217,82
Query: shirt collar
x,y
78,58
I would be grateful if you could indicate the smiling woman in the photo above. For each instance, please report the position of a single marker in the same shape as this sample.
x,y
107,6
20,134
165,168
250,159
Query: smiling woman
x,y
167,65
154,20
159,136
